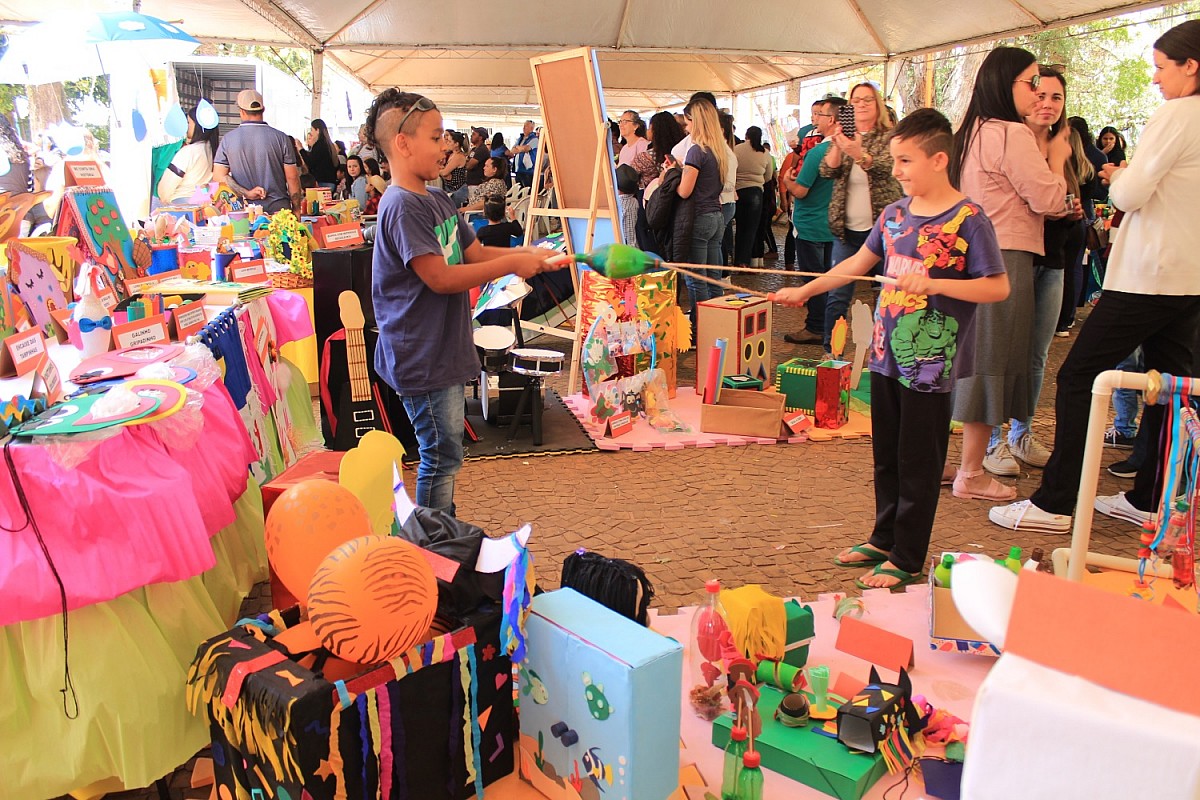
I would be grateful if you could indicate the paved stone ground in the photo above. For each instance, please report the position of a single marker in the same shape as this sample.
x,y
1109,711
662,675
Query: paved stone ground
x,y
773,515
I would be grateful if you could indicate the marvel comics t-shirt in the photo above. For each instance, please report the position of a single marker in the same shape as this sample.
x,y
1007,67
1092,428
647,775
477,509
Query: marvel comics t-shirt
x,y
923,341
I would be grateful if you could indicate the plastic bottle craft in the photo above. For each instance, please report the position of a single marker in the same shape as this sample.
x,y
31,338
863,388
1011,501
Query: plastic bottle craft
x,y
93,319
709,625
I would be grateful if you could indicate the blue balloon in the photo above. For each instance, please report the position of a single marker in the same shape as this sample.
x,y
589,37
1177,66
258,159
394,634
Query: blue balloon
x,y
139,125
176,123
207,116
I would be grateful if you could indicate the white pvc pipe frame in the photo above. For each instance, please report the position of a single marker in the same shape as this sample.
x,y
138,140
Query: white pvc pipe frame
x,y
1089,478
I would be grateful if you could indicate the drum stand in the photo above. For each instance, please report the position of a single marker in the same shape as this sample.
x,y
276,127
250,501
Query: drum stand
x,y
532,393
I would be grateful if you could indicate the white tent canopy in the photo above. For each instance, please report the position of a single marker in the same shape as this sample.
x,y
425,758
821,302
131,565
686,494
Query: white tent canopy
x,y
652,53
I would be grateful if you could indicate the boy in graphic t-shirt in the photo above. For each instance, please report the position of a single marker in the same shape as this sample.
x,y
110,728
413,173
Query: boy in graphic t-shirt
x,y
426,259
941,250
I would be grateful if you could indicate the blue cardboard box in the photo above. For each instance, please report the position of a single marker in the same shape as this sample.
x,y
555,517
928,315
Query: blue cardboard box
x,y
600,703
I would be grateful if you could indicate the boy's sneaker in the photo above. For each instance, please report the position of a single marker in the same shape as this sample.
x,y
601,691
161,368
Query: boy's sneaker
x,y
1023,515
1030,451
1117,506
999,461
1114,438
1123,469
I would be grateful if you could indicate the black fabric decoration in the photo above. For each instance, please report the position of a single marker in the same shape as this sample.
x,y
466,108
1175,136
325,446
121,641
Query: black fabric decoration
x,y
448,536
612,582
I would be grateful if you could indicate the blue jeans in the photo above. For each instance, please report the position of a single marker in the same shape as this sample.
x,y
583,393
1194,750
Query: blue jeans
x,y
706,249
814,257
749,210
437,420
1125,401
837,301
1047,305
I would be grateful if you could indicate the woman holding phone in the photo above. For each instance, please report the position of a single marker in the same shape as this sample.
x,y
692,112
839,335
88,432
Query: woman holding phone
x,y
1151,294
860,164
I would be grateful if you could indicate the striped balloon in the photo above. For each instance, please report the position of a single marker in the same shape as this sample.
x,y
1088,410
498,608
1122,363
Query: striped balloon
x,y
372,599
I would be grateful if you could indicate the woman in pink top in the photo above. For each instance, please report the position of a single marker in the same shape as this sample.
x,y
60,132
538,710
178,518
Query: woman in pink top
x,y
997,163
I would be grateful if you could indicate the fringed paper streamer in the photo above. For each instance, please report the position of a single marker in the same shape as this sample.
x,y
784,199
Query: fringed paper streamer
x,y
899,750
469,741
376,737
518,593
335,754
383,718
364,736
399,744
476,733
458,742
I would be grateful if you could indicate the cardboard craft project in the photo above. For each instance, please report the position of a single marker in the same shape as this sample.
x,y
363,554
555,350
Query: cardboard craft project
x,y
832,405
872,643
745,413
600,703
77,416
948,631
436,723
644,297
120,363
91,215
35,281
868,718
745,322
13,208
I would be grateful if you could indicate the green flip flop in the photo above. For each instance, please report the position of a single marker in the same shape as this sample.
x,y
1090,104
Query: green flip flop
x,y
873,557
903,578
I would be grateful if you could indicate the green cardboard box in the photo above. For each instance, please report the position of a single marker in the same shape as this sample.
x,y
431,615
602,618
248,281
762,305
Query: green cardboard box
x,y
800,633
805,756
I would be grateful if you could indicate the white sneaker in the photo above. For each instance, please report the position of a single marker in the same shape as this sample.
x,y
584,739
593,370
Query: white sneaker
x,y
1023,515
1030,451
1116,505
999,461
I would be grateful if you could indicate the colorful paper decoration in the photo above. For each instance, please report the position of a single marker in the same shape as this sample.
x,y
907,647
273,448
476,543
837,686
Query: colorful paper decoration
x,y
207,116
77,416
13,208
833,394
171,397
175,123
119,363
35,281
91,215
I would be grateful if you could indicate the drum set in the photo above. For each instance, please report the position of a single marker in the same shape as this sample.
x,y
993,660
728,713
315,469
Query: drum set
x,y
508,368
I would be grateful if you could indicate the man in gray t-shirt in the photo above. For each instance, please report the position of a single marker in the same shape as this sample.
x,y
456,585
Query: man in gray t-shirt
x,y
257,161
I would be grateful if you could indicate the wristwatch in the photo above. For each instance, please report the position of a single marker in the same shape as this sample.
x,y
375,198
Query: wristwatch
x,y
865,161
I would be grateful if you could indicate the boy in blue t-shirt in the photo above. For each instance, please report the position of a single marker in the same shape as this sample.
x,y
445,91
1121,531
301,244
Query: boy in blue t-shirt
x,y
426,259
942,252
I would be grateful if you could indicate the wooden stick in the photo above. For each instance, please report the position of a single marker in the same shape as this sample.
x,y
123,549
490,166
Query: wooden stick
x,y
724,284
873,278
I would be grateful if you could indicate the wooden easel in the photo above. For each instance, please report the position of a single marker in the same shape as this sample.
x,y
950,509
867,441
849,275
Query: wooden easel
x,y
573,129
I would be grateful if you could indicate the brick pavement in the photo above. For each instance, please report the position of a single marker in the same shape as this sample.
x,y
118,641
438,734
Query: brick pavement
x,y
774,515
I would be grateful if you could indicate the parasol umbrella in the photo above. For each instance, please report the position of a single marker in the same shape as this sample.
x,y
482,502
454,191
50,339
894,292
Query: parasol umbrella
x,y
81,46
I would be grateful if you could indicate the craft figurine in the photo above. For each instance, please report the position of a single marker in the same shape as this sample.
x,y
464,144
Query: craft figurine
x,y
879,718
93,319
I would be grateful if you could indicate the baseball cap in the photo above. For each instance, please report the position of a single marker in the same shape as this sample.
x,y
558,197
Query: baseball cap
x,y
481,131
250,100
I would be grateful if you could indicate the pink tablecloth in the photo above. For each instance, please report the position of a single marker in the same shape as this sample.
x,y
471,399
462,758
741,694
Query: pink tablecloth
x,y
135,512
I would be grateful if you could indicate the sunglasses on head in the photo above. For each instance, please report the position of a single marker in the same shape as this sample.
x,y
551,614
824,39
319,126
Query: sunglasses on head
x,y
422,104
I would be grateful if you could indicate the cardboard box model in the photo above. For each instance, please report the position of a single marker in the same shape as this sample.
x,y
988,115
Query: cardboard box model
x,y
948,631
745,322
806,756
745,413
819,388
600,702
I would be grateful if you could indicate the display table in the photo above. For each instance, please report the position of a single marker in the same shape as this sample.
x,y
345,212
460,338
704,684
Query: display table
x,y
157,536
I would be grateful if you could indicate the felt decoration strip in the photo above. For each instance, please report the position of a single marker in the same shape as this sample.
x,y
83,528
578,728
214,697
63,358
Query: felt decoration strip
x,y
238,675
375,730
383,719
336,765
470,742
399,743
364,737
476,725
518,594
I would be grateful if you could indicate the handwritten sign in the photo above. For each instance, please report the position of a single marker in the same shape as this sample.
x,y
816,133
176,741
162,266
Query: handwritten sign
x,y
188,319
333,237
108,298
141,332
22,352
51,380
797,421
618,425
247,271
83,173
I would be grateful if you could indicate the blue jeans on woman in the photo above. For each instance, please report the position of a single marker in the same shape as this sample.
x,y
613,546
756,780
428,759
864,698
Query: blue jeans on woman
x,y
437,420
837,301
1047,305
706,249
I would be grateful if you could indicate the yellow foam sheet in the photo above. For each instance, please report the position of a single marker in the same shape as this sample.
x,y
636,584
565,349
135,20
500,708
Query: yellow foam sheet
x,y
1125,583
858,425
367,472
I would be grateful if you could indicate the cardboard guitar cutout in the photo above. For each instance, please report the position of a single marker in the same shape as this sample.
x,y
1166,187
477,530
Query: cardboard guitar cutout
x,y
359,407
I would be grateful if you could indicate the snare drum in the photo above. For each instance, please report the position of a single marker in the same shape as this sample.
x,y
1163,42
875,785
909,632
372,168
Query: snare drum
x,y
533,361
493,342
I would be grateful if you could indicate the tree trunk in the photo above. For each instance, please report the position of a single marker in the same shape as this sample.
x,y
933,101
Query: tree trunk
x,y
953,79
47,106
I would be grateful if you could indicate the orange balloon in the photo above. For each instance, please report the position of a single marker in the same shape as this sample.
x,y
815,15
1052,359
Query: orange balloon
x,y
372,599
305,523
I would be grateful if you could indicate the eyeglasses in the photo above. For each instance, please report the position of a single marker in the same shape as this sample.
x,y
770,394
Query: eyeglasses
x,y
817,114
1034,81
862,101
422,104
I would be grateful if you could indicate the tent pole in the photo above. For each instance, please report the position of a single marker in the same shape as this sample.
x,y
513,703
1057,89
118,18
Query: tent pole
x,y
318,80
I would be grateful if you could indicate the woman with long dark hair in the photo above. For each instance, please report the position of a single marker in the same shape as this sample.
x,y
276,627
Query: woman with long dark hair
x,y
192,165
321,156
754,168
1112,144
998,164
664,133
1151,294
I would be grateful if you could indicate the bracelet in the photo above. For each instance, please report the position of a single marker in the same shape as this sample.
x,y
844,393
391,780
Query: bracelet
x,y
865,161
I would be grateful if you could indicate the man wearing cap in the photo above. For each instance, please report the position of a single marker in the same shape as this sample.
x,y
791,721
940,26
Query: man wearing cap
x,y
258,161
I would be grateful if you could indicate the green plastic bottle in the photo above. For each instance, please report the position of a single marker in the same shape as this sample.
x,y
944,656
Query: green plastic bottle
x,y
1013,561
941,573
750,782
733,762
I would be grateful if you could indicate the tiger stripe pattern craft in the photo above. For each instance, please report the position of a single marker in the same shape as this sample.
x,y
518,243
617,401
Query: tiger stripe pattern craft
x,y
371,599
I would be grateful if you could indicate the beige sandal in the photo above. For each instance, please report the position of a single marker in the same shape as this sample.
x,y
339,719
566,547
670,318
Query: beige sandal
x,y
995,491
